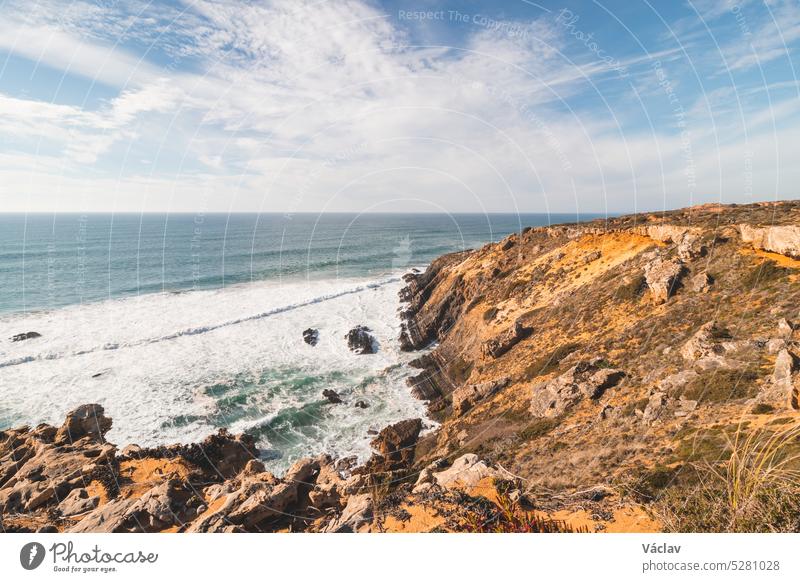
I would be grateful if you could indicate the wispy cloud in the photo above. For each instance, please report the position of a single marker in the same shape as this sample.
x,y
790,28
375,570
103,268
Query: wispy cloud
x,y
299,105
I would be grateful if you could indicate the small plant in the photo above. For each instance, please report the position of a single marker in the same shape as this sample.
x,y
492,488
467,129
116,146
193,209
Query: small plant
x,y
721,385
538,428
764,273
505,516
755,489
762,408
547,363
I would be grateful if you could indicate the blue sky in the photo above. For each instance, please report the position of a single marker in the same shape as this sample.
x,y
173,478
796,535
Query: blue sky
x,y
364,106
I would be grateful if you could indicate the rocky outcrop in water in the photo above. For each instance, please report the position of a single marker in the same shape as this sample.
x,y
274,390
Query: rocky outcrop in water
x,y
361,341
311,336
25,336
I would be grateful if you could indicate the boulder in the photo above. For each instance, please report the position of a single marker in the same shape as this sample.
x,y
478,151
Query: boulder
x,y
465,473
87,420
332,396
395,446
311,336
467,396
77,501
361,341
784,240
655,407
20,337
357,513
663,276
785,329
502,343
255,500
786,378
701,283
584,380
704,342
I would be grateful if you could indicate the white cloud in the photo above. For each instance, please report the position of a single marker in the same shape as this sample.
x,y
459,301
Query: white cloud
x,y
293,105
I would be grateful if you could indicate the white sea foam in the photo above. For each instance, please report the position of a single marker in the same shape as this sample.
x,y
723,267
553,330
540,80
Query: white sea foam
x,y
150,360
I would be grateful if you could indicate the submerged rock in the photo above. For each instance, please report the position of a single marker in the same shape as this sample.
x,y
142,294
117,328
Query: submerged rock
x,y
332,396
25,336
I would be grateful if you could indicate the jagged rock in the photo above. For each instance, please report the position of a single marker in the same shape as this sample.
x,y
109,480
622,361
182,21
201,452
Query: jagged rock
x,y
786,379
256,500
105,519
163,506
361,341
506,340
219,455
311,336
591,257
662,277
775,345
785,329
701,283
465,397
20,337
78,501
655,407
465,472
685,407
330,488
395,446
332,396
783,239
37,471
357,513
704,343
673,383
303,470
86,420
584,380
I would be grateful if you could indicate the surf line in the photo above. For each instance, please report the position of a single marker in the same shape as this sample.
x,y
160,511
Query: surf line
x,y
204,329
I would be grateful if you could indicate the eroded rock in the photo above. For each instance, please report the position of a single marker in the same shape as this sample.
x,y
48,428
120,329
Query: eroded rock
x,y
361,341
584,380
467,396
663,276
782,239
499,345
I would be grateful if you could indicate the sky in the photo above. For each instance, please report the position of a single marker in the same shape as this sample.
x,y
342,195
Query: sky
x,y
397,106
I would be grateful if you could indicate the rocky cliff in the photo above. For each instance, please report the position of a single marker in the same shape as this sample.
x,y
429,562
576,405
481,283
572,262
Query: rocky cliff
x,y
605,376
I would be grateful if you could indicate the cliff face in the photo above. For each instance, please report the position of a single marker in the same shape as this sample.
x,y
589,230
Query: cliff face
x,y
584,377
610,352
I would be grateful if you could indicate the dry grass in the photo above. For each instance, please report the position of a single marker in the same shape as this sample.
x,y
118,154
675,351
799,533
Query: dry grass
x,y
756,489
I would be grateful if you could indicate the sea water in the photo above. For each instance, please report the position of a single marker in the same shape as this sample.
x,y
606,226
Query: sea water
x,y
182,324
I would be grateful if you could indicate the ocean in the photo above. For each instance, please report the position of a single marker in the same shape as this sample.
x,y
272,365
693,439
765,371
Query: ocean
x,y
182,324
